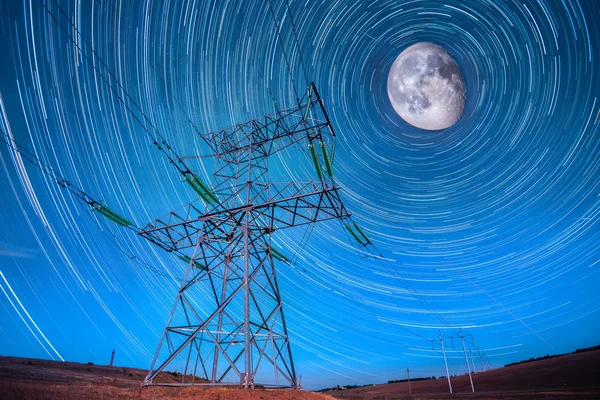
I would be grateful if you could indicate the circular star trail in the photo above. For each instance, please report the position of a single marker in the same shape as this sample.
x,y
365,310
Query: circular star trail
x,y
490,226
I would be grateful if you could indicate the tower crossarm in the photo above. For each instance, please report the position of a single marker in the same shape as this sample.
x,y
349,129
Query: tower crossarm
x,y
276,206
272,132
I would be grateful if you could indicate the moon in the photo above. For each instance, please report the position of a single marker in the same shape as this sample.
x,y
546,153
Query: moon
x,y
426,87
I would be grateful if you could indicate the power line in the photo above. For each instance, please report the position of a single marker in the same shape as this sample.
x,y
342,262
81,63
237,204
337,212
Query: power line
x,y
47,170
393,271
242,223
289,10
158,140
284,52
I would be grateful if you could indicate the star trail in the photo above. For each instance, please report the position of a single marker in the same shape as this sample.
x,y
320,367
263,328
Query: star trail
x,y
490,226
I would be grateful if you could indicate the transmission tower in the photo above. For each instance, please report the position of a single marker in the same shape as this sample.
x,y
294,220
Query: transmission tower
x,y
460,336
227,322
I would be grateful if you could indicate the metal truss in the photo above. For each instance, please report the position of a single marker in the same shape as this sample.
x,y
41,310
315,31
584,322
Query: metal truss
x,y
227,324
283,206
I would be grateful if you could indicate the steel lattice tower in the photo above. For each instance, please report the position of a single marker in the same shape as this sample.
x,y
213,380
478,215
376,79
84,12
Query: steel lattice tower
x,y
227,323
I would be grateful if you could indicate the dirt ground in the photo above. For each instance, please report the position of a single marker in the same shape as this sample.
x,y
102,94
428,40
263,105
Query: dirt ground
x,y
22,378
575,376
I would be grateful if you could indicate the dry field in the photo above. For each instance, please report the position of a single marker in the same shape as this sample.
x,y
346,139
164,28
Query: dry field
x,y
575,376
23,378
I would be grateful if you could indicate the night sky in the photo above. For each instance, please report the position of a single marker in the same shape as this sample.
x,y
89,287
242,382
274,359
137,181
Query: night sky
x,y
493,223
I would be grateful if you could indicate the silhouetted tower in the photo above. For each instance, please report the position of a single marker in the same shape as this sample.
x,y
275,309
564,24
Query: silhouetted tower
x,y
227,322
462,340
112,358
445,363
472,362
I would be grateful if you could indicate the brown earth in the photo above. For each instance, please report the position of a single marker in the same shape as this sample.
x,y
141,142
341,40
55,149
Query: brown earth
x,y
24,378
574,376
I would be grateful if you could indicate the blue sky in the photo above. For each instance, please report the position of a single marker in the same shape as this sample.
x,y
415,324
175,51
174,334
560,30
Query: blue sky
x,y
492,223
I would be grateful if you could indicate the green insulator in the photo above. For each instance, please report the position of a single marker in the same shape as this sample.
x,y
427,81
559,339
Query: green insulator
x,y
205,194
279,256
326,159
187,259
192,181
333,142
362,233
213,196
207,191
354,235
315,160
110,214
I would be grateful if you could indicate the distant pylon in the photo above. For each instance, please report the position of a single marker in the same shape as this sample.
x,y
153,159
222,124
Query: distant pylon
x,y
446,363
472,362
112,358
462,340
480,356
